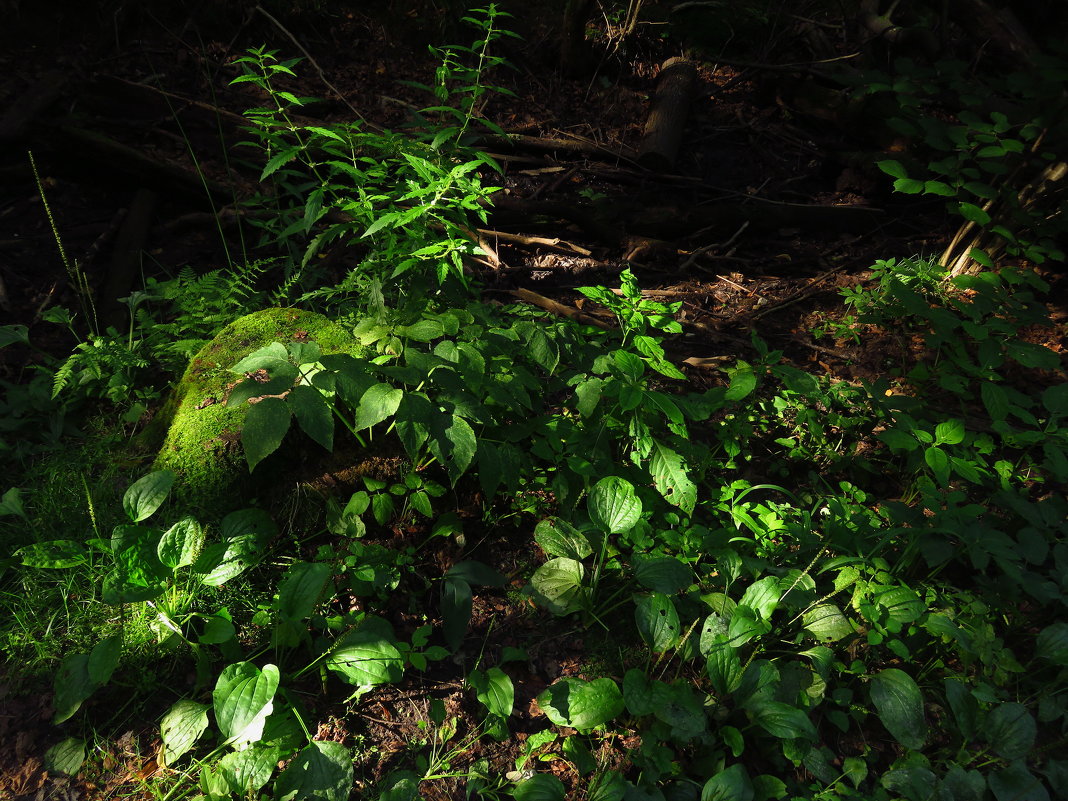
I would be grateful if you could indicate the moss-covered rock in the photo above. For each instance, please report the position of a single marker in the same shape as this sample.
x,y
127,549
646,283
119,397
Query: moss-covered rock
x,y
202,443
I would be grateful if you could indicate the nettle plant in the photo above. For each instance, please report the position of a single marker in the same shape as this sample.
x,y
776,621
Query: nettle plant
x,y
405,202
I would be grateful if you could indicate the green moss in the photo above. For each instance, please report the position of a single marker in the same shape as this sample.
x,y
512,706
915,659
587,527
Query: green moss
x,y
202,444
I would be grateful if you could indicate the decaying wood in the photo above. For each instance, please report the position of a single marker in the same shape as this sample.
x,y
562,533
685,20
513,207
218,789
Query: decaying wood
x,y
667,114
559,309
42,93
557,144
554,243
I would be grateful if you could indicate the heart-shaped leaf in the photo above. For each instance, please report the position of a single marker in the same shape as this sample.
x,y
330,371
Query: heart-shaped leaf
x,y
320,772
557,585
557,537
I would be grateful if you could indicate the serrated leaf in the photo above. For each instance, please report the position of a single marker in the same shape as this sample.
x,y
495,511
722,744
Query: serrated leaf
x,y
266,424
975,214
657,621
557,585
180,728
313,413
557,537
378,403
320,772
454,445
899,703
908,186
147,494
581,704
613,505
242,699
302,588
181,543
366,658
743,382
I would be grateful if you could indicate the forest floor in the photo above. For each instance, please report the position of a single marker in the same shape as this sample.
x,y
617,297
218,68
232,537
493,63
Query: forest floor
x,y
157,88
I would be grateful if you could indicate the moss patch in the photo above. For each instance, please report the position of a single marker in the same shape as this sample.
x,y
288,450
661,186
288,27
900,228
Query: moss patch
x,y
203,435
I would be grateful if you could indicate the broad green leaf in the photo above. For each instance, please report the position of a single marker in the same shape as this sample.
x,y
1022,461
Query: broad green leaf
x,y
713,633
540,787
892,168
366,658
613,506
780,720
266,424
180,728
242,699
1031,355
766,786
671,476
762,596
938,460
455,610
454,446
1011,730
1055,399
678,706
378,403
248,521
959,784
638,693
304,586
827,623
949,432
423,330
995,399
664,574
743,382
320,772
744,625
1017,783
181,543
724,669
494,690
474,572
939,188
247,771
975,214
104,658
557,585
964,705
65,757
732,784
226,560
313,413
657,621
1052,643
270,358
581,704
72,686
147,494
606,785
557,537
902,604
54,554
908,186
10,334
899,703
